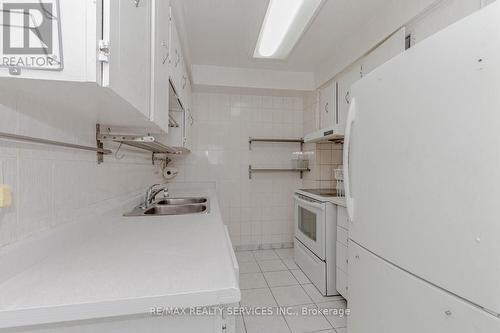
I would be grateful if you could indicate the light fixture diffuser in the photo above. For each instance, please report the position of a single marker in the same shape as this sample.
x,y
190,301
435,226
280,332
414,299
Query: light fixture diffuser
x,y
284,24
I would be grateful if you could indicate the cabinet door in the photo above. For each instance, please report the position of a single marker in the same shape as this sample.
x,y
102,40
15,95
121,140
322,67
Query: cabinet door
x,y
127,27
328,105
184,86
384,298
189,118
346,80
71,49
160,68
176,62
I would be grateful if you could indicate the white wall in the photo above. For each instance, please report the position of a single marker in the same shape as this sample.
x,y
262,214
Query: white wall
x,y
259,212
53,186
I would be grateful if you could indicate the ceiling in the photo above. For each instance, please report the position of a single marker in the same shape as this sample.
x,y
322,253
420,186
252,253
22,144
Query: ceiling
x,y
224,32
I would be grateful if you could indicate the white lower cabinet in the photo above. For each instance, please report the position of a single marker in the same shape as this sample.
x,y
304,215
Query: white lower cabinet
x,y
384,298
341,259
342,287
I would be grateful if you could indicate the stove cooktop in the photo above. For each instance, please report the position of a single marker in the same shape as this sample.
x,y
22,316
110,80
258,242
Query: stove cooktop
x,y
324,192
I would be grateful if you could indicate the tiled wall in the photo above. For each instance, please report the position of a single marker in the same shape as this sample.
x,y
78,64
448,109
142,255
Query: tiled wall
x,y
327,156
259,212
52,186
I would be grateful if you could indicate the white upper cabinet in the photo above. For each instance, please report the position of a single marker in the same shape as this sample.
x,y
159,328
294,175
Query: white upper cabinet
x,y
119,49
176,59
345,81
180,97
390,48
189,117
74,29
161,62
328,105
127,29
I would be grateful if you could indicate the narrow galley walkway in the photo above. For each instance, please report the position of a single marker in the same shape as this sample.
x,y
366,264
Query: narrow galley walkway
x,y
271,279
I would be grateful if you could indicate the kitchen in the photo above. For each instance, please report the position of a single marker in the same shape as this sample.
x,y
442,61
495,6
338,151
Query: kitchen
x,y
314,167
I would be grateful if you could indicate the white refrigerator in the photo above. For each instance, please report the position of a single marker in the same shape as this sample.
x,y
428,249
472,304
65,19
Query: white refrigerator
x,y
422,173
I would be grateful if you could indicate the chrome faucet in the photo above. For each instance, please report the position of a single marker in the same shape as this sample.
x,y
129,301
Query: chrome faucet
x,y
151,193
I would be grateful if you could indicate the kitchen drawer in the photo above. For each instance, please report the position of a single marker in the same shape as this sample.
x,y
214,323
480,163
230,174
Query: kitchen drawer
x,y
342,256
342,283
312,266
342,219
342,236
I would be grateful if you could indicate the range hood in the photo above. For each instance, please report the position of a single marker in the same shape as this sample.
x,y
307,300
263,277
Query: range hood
x,y
329,134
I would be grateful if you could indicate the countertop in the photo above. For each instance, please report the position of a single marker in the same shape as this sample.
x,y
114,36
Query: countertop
x,y
131,265
339,201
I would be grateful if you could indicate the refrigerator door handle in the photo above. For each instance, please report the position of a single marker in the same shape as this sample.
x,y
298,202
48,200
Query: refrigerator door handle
x,y
347,180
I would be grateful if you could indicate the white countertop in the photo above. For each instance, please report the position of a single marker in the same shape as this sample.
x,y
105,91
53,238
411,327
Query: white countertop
x,y
129,266
339,201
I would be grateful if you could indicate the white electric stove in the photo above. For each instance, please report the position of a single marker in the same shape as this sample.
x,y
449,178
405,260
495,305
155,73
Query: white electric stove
x,y
316,236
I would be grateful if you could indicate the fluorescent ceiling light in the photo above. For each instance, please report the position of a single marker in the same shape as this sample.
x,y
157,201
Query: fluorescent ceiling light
x,y
285,22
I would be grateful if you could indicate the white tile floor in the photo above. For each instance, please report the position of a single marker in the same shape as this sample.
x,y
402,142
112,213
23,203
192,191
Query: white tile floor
x,y
270,278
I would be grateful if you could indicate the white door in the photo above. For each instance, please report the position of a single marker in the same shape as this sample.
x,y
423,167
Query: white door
x,y
423,172
310,224
160,69
328,105
127,27
346,80
383,298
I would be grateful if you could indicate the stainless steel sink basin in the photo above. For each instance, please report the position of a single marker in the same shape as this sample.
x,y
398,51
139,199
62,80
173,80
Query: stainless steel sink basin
x,y
175,210
181,201
173,206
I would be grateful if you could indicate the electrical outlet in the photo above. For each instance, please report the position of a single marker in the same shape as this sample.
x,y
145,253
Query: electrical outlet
x,y
5,196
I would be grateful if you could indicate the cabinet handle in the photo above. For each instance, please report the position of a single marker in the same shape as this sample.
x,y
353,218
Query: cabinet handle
x,y
326,107
165,58
178,57
185,81
348,97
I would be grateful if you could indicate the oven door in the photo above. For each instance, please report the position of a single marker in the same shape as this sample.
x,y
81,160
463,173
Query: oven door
x,y
310,224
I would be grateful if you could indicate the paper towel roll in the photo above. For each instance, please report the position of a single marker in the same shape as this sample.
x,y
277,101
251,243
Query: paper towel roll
x,y
170,173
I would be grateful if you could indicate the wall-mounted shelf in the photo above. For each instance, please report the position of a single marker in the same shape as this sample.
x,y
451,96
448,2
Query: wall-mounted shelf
x,y
146,142
298,140
252,170
275,140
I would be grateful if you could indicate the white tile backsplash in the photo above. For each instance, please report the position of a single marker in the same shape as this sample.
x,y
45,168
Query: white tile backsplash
x,y
259,212
53,186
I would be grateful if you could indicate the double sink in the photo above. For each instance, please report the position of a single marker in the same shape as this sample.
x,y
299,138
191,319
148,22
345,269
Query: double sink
x,y
172,206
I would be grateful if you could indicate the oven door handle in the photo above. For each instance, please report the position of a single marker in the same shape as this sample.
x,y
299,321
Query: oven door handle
x,y
309,203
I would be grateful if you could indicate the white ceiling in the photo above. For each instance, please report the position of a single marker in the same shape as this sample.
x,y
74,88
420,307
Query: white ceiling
x,y
224,32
